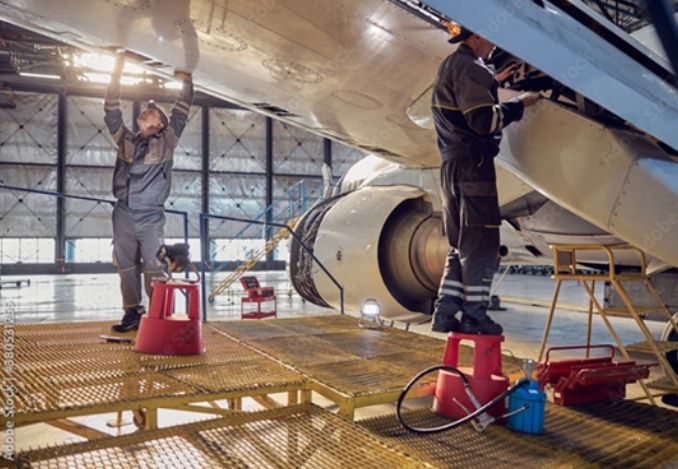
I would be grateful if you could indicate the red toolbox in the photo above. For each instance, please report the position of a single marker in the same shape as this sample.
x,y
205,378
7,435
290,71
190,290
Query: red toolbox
x,y
591,379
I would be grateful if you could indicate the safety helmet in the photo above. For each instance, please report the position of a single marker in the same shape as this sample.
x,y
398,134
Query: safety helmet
x,y
163,115
458,32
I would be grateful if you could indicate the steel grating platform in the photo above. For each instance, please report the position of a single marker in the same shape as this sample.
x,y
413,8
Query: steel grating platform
x,y
352,367
611,434
65,370
298,436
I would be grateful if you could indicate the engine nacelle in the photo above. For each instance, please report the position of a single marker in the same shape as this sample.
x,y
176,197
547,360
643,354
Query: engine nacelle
x,y
382,242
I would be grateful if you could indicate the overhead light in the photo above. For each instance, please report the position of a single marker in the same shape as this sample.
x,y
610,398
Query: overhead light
x,y
105,78
101,63
370,314
40,75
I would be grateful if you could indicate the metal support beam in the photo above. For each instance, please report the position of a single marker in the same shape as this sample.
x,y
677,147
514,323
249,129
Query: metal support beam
x,y
60,241
205,176
269,183
327,153
142,93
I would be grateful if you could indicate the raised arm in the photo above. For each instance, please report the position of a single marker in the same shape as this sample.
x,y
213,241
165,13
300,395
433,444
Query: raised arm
x,y
113,114
181,107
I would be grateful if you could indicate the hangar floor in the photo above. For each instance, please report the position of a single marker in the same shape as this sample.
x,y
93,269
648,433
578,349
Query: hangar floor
x,y
95,298
51,298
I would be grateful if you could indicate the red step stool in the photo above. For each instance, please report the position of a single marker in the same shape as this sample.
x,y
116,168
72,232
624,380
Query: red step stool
x,y
592,379
485,377
258,295
162,334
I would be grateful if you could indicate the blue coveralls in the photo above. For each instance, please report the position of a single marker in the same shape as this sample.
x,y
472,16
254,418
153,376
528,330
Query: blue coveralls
x,y
142,180
468,120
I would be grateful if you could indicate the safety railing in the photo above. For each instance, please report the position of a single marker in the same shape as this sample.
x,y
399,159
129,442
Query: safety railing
x,y
203,246
60,195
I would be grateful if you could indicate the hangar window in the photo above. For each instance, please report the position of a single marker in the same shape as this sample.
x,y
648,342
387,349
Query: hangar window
x,y
26,250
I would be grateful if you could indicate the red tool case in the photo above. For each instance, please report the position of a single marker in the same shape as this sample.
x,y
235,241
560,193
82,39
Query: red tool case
x,y
591,379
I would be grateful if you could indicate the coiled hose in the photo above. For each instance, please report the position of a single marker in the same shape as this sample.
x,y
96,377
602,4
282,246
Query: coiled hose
x,y
461,421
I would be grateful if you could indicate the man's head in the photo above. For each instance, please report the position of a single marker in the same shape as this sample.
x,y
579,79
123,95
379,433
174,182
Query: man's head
x,y
481,46
151,120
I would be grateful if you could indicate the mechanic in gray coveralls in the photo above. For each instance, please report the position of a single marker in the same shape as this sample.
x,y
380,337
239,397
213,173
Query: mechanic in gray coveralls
x,y
142,180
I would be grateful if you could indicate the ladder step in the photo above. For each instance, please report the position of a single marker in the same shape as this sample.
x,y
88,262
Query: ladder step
x,y
631,277
663,384
641,310
644,347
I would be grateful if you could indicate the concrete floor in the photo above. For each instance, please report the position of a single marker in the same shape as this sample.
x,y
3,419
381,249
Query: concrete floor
x,y
96,297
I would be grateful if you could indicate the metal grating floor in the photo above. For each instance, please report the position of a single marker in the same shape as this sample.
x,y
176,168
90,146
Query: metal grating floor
x,y
336,353
299,436
67,369
612,434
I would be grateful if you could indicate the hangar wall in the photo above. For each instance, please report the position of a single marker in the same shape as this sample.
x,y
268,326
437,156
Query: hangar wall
x,y
235,141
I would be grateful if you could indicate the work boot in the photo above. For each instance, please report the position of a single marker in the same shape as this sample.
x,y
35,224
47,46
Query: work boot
x,y
485,326
130,320
444,322
670,399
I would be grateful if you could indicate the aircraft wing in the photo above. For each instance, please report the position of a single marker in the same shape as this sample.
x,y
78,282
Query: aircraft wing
x,y
346,70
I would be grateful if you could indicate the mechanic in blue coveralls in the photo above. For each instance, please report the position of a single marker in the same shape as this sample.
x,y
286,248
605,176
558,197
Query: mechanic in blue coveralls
x,y
142,180
468,120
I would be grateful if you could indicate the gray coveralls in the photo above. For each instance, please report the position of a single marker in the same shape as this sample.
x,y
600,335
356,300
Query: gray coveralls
x,y
468,122
141,184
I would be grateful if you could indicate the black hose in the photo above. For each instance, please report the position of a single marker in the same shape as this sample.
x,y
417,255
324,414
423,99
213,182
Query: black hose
x,y
456,423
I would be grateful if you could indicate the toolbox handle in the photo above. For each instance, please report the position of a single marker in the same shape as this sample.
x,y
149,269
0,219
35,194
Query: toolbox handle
x,y
580,347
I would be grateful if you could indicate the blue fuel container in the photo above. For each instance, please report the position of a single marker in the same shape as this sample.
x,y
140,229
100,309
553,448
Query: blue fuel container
x,y
530,420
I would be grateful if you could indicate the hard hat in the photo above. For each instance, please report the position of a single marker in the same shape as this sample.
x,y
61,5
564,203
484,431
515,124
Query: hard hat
x,y
458,32
161,111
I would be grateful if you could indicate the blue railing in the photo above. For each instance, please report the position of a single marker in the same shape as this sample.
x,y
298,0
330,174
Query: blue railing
x,y
184,215
203,246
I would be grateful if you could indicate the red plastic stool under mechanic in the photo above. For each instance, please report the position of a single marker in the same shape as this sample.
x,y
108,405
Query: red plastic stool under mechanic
x,y
485,378
162,334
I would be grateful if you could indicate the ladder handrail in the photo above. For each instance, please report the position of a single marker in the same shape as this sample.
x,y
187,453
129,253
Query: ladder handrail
x,y
203,234
608,249
251,260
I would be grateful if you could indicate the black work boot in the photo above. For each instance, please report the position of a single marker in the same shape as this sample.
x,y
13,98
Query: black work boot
x,y
670,399
444,322
485,326
130,320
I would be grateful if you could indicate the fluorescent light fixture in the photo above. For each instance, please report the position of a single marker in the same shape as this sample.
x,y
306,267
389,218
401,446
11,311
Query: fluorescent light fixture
x,y
40,75
102,63
105,78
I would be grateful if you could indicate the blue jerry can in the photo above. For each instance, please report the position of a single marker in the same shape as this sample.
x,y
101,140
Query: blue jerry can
x,y
531,420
